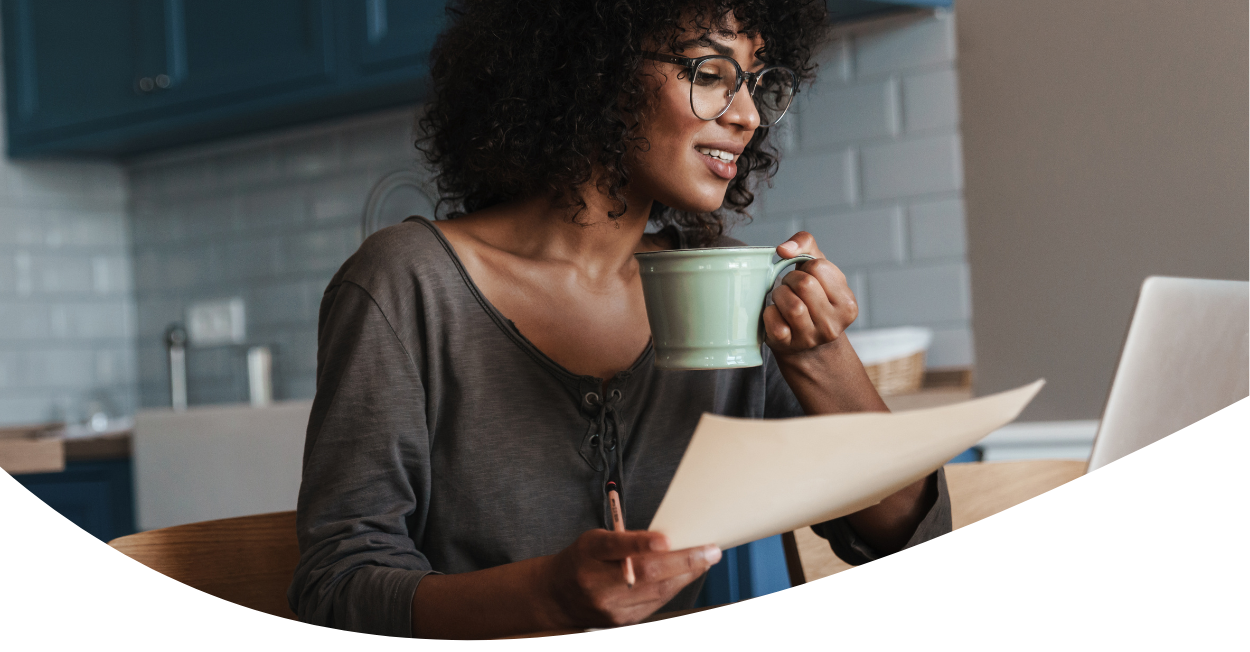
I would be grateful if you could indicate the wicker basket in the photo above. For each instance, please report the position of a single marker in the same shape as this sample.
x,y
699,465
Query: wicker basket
x,y
897,376
893,357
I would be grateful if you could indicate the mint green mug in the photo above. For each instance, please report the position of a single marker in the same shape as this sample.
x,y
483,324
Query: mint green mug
x,y
704,305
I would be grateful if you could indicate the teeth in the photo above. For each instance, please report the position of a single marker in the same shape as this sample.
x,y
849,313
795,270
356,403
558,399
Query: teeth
x,y
716,153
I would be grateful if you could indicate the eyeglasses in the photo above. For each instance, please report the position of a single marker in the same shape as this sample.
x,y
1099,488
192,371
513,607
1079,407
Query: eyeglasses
x,y
715,79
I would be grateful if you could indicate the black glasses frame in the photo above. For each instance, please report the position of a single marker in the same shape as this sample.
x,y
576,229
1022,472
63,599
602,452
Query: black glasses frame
x,y
752,78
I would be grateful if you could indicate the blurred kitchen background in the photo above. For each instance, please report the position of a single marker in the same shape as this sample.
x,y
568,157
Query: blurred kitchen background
x,y
207,165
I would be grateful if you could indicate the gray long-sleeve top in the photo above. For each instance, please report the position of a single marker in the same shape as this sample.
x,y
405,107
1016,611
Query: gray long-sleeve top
x,y
442,440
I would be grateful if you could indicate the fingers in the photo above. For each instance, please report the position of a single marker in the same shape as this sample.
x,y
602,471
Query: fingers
x,y
776,329
659,567
812,313
589,583
615,546
799,243
815,304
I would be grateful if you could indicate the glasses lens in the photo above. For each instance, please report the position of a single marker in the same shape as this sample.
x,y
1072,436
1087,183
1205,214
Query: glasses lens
x,y
773,93
712,87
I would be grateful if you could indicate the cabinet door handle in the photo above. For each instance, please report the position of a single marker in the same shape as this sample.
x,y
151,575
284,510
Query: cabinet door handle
x,y
162,81
146,84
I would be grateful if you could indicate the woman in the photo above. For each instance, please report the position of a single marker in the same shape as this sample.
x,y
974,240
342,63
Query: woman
x,y
473,374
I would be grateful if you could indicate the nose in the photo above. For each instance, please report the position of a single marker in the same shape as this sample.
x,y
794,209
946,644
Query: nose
x,y
741,111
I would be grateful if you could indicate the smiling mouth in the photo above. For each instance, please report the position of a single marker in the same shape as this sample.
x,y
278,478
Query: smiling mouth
x,y
717,154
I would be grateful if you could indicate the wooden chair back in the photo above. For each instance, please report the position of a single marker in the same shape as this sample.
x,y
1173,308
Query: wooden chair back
x,y
977,490
247,560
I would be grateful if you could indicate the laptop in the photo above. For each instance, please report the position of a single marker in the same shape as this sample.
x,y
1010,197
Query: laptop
x,y
1186,356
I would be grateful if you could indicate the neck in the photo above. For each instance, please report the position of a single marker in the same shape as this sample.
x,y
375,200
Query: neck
x,y
539,229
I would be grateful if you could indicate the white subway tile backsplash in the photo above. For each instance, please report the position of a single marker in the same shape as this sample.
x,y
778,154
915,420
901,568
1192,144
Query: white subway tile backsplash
x,y
859,238
858,282
95,230
59,368
91,321
66,317
283,205
298,348
182,270
56,274
31,406
19,226
311,157
246,168
937,228
912,167
812,182
208,216
930,101
153,368
835,61
282,303
23,320
186,177
8,276
950,348
155,314
244,260
920,295
341,198
832,115
925,42
765,232
385,141
322,250
111,275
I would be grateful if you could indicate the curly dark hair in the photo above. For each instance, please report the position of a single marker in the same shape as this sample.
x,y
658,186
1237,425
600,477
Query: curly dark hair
x,y
531,95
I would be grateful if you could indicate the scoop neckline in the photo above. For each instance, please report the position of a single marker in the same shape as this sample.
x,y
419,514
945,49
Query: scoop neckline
x,y
508,327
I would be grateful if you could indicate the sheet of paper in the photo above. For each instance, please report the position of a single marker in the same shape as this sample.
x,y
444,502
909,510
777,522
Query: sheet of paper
x,y
746,479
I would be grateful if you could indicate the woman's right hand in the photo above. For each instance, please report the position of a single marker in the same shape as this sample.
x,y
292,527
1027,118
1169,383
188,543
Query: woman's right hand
x,y
587,581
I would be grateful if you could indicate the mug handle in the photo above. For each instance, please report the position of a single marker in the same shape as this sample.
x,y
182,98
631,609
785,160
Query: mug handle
x,y
784,263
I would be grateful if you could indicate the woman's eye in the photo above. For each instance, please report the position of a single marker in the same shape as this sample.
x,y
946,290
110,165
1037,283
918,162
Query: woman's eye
x,y
703,79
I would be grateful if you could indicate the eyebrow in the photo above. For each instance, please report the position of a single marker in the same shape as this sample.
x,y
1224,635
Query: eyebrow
x,y
719,48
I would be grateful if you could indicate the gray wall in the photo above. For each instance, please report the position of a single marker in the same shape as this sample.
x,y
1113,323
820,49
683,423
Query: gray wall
x,y
66,314
268,219
1103,142
872,168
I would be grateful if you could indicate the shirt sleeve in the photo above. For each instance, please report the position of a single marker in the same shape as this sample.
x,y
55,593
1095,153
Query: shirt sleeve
x,y
365,474
780,403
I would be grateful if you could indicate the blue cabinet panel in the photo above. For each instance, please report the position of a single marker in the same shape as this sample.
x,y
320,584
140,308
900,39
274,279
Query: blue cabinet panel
x,y
125,76
392,34
96,495
220,49
70,62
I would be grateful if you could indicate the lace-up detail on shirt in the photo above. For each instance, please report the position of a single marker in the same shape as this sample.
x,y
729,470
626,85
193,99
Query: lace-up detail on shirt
x,y
603,445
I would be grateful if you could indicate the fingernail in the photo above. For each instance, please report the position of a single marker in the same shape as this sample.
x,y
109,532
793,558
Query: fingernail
x,y
788,245
659,544
711,554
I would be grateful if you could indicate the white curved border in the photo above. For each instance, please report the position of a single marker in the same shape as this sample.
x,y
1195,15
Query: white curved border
x,y
1149,551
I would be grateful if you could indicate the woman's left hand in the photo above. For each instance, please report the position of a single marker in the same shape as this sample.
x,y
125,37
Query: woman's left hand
x,y
812,306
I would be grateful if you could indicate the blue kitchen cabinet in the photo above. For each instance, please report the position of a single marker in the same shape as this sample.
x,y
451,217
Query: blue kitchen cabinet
x,y
125,76
390,36
95,495
220,51
70,64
